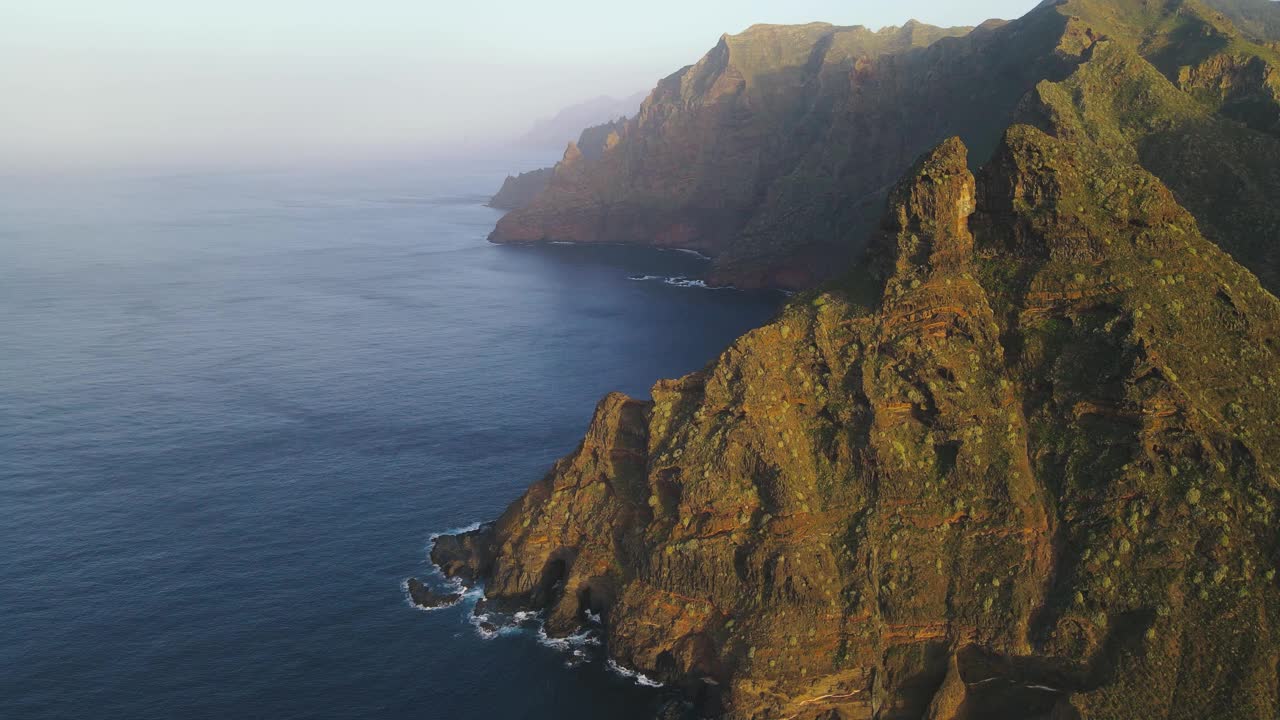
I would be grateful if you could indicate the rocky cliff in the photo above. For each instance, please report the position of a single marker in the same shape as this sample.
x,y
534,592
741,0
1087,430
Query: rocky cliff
x,y
518,191
1022,465
774,153
1018,461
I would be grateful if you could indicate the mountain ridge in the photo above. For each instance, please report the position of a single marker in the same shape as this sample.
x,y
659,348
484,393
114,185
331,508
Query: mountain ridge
x,y
779,178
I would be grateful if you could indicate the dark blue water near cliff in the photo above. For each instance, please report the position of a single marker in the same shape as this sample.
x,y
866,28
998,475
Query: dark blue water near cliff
x,y
234,406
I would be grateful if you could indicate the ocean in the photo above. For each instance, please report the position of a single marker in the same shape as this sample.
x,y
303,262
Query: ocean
x,y
235,405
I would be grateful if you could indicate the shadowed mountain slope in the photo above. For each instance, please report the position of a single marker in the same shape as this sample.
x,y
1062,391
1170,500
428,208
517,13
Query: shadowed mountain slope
x,y
1260,19
774,153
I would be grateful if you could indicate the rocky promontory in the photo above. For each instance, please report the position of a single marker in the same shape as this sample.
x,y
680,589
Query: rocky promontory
x,y
518,191
426,598
1019,465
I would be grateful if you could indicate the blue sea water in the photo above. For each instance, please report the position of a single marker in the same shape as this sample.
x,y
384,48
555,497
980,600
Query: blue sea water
x,y
234,406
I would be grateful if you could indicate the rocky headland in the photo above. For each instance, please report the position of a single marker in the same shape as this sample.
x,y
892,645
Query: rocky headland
x,y
519,191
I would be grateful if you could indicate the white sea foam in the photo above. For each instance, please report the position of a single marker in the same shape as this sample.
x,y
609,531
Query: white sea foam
x,y
579,648
420,608
688,283
455,531
498,624
568,643
404,588
435,574
639,677
680,281
695,253
479,622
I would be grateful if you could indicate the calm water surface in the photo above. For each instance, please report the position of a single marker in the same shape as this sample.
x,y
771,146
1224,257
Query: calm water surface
x,y
234,407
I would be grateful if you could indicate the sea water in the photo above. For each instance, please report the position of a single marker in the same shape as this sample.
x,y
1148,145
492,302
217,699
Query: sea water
x,y
234,406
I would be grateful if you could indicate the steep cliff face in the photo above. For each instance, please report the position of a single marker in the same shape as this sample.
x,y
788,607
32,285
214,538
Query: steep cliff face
x,y
518,191
708,144
1020,463
521,191
774,153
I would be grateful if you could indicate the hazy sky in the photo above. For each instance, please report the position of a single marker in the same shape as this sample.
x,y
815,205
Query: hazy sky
x,y
142,81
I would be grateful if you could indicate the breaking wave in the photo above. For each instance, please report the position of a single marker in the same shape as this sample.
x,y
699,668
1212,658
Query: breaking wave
x,y
679,281
639,677
452,586
454,531
694,253
442,583
582,647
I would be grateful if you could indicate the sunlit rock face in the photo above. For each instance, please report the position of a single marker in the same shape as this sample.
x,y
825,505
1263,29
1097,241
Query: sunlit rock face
x,y
1019,462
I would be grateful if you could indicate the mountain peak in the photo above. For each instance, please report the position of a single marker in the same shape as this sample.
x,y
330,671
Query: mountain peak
x,y
936,197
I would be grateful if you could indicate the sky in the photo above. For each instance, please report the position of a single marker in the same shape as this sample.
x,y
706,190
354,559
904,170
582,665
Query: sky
x,y
131,82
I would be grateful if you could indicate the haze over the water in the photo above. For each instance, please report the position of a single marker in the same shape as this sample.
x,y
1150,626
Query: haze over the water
x,y
164,82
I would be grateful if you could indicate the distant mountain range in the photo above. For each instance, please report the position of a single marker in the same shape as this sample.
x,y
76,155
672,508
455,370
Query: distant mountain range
x,y
565,126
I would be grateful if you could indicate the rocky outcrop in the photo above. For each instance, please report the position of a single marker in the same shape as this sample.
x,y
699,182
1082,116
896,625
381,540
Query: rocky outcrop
x,y
1246,87
518,191
774,153
464,556
1020,463
428,599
